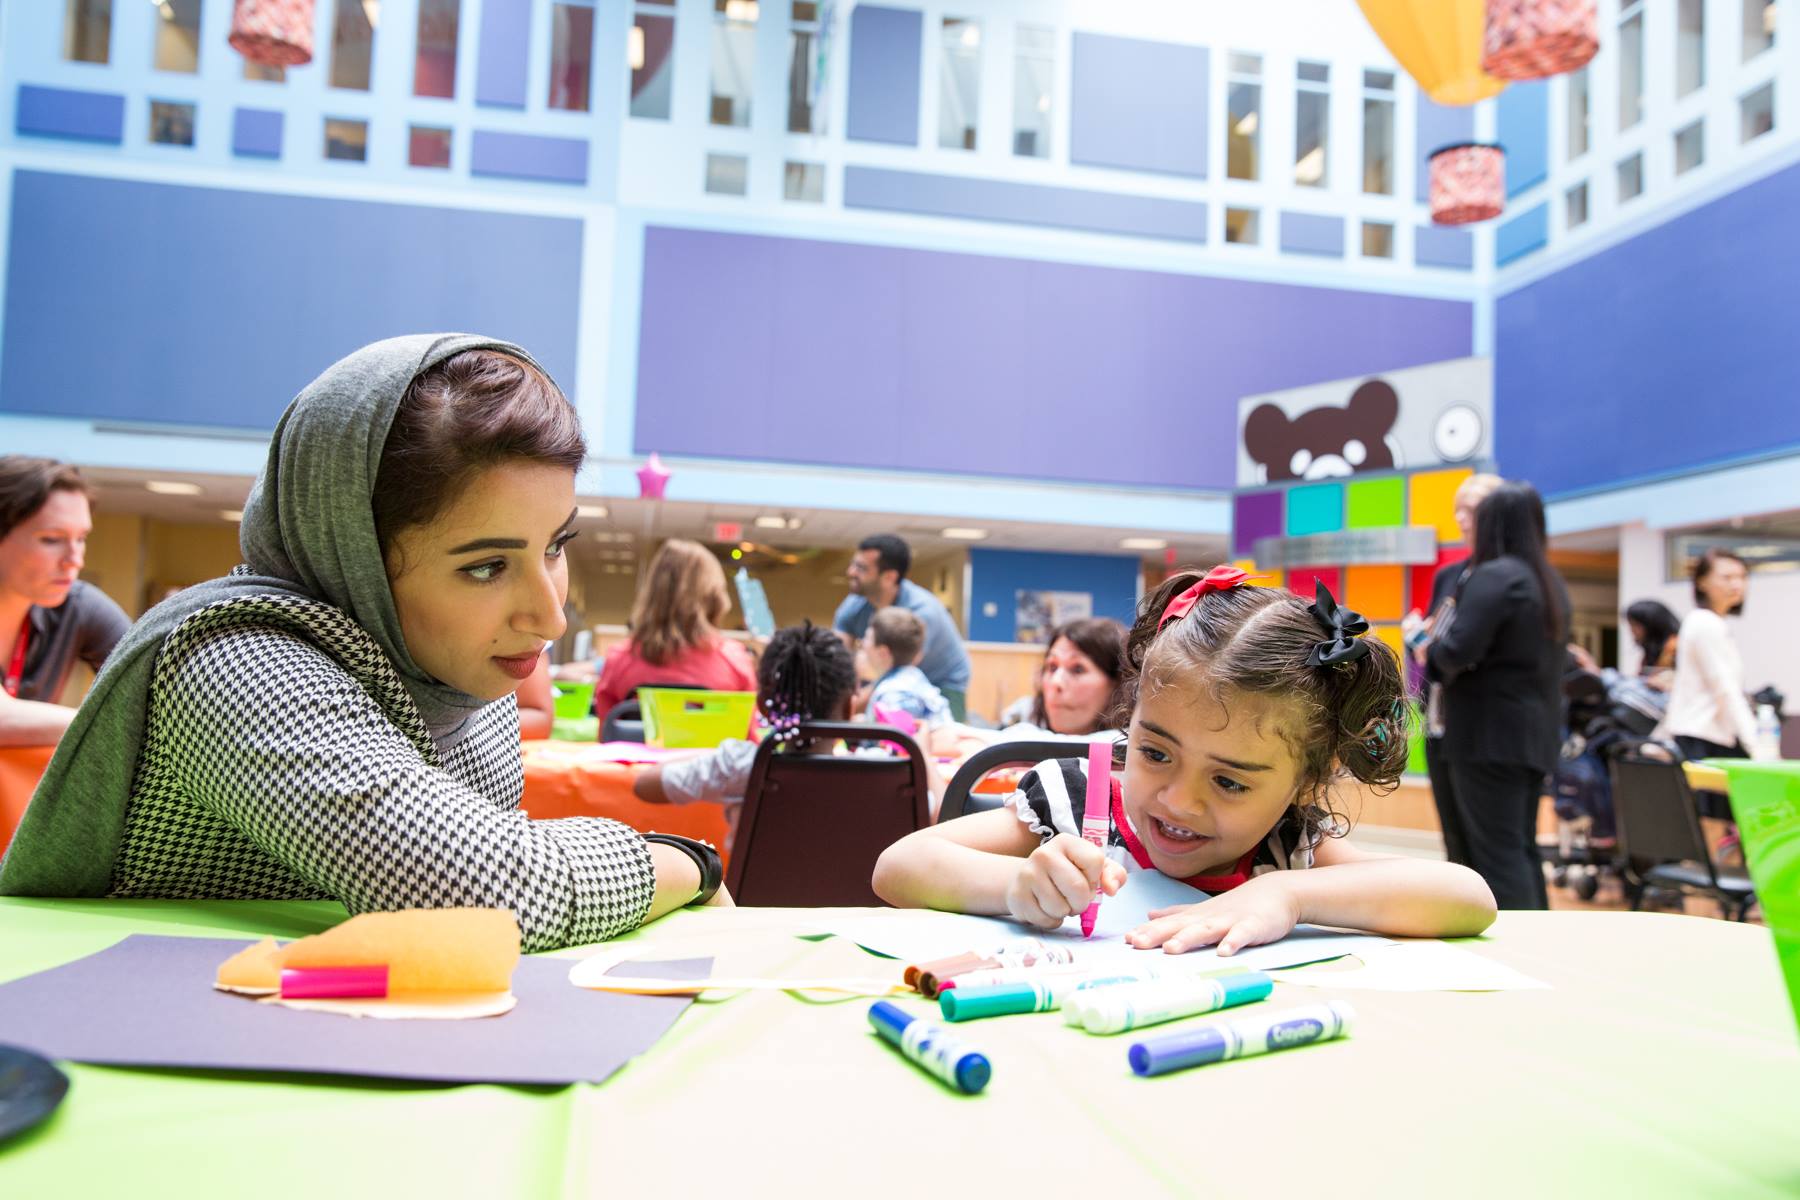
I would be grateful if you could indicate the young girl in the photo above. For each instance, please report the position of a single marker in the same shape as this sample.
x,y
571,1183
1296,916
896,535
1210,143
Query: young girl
x,y
1247,704
806,674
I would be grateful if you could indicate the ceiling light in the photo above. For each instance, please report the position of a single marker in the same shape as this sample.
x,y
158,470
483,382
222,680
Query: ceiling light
x,y
971,35
173,487
232,514
1043,104
635,47
590,510
742,10
783,522
959,533
1142,543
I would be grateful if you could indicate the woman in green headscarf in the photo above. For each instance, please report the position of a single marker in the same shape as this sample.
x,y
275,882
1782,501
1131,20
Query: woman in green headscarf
x,y
336,718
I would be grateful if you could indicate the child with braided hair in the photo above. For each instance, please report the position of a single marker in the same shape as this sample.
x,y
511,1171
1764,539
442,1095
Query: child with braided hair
x,y
1247,705
806,674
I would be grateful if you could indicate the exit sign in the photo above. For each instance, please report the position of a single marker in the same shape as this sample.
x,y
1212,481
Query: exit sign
x,y
726,531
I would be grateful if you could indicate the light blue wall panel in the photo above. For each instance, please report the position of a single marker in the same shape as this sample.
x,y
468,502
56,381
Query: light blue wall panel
x,y
1025,203
1524,115
885,45
1138,105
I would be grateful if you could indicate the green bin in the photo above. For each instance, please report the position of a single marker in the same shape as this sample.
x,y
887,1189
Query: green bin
x,y
685,718
1765,799
572,699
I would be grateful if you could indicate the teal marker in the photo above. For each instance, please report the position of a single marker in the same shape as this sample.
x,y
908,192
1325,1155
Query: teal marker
x,y
1135,1005
1005,999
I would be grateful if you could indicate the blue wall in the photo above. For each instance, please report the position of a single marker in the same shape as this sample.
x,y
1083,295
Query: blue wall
x,y
1618,367
151,302
995,575
1523,112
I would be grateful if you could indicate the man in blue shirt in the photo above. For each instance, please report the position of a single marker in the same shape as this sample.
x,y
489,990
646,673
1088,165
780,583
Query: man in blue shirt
x,y
877,576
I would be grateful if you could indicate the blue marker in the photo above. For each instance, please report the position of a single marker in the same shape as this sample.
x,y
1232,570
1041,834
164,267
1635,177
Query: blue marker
x,y
932,1047
1242,1038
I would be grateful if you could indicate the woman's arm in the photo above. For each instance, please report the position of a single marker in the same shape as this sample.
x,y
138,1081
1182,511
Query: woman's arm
x,y
32,722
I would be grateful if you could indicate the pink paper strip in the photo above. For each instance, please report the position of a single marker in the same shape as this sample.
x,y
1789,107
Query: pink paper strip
x,y
333,983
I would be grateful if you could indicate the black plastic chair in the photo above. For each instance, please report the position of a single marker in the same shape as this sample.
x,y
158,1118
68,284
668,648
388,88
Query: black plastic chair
x,y
961,798
1660,839
814,822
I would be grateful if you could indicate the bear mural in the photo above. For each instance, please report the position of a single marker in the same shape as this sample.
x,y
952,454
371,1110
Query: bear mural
x,y
1327,441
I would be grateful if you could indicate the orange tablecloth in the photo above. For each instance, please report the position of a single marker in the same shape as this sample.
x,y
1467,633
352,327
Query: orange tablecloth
x,y
20,769
565,779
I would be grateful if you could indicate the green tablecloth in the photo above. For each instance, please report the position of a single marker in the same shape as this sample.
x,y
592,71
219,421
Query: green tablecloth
x,y
1662,1063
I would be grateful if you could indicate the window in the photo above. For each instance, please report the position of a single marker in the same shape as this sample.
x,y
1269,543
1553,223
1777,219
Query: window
x,y
1759,27
1631,178
87,30
1240,226
352,45
571,56
427,146
1756,112
733,61
1378,239
1631,63
1690,46
804,75
650,51
1575,206
434,58
804,182
959,84
1378,133
171,124
1578,113
727,174
264,72
1034,79
178,36
1243,117
346,141
1312,125
1690,147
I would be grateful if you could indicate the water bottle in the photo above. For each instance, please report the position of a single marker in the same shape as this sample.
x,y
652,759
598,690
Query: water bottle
x,y
1768,733
584,645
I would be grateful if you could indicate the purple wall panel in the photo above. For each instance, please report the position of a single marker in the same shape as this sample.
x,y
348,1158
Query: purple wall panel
x,y
65,113
1257,515
821,352
1024,203
529,156
1312,233
256,132
1138,105
505,53
884,74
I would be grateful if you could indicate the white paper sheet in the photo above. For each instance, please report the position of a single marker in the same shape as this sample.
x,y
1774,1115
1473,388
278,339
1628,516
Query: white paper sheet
x,y
1418,967
920,935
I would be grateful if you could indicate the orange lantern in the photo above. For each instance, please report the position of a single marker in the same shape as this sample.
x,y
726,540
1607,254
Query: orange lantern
x,y
1468,183
276,33
1529,39
1439,44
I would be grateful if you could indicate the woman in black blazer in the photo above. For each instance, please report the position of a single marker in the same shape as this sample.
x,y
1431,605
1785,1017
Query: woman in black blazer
x,y
1499,659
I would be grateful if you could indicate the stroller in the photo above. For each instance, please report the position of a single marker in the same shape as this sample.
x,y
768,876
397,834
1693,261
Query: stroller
x,y
1604,714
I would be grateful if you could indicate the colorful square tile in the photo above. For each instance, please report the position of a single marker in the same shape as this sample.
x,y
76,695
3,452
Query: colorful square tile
x,y
1434,501
1301,580
1260,576
1420,578
1316,508
1377,592
1375,503
1256,515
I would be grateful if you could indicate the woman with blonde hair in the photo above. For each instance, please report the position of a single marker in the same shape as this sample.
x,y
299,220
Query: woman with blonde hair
x,y
675,638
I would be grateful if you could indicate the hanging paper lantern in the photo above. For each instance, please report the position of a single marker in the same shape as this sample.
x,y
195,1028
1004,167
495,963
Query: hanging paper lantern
x,y
1468,183
276,33
1439,44
653,479
1529,39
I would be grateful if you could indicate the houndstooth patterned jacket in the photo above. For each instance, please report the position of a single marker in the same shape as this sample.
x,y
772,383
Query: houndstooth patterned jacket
x,y
283,759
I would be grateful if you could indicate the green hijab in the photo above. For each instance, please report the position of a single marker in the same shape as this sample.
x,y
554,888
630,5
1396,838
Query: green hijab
x,y
308,531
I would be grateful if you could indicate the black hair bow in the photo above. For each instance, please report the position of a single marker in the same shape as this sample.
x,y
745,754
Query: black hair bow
x,y
1345,627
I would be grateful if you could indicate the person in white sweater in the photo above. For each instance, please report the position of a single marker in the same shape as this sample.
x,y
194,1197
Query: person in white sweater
x,y
1709,715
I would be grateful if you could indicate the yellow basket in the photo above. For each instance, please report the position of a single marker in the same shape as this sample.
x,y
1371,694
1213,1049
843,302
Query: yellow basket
x,y
573,699
694,718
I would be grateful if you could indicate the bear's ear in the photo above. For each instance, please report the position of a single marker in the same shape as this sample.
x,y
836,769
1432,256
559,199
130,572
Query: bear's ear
x,y
1374,408
1266,436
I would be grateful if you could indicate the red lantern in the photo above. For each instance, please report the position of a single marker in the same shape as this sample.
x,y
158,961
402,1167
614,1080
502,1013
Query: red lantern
x,y
1468,183
1529,39
276,33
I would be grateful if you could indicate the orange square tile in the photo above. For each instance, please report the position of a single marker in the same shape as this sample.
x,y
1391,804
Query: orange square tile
x,y
1377,592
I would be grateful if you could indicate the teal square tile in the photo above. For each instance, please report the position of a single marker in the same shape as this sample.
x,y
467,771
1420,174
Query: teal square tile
x,y
1318,508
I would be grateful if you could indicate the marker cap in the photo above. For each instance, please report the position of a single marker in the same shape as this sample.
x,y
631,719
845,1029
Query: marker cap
x,y
995,1000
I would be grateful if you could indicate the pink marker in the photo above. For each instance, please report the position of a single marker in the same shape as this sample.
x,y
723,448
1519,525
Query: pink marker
x,y
1096,822
333,983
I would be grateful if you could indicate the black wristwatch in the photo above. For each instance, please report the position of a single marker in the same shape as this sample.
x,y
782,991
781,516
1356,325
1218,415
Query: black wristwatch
x,y
712,867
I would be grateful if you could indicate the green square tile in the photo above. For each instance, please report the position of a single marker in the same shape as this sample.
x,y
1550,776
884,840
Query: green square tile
x,y
1374,503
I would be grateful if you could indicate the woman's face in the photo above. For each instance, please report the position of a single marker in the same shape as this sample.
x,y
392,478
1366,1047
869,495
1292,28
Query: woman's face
x,y
1075,689
480,590
42,555
1467,501
1725,585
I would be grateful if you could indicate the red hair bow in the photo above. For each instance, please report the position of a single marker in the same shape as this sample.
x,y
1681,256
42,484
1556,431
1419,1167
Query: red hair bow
x,y
1219,579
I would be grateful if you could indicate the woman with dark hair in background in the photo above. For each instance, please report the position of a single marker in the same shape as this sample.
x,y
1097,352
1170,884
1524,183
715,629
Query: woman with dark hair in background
x,y
48,617
1497,652
1709,715
1079,685
1657,632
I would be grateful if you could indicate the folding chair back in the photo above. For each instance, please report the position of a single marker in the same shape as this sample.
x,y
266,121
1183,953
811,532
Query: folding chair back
x,y
961,799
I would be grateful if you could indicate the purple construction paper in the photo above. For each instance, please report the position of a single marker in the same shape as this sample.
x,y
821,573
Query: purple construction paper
x,y
149,1002
1258,516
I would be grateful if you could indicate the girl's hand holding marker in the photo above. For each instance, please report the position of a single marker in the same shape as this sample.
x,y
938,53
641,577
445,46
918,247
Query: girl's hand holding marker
x,y
1057,881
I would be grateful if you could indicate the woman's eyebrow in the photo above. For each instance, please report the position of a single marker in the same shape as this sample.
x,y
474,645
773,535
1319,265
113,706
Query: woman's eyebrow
x,y
488,544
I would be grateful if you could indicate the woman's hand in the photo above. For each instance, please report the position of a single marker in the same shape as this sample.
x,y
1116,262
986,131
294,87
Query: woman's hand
x,y
1255,912
720,899
1059,879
